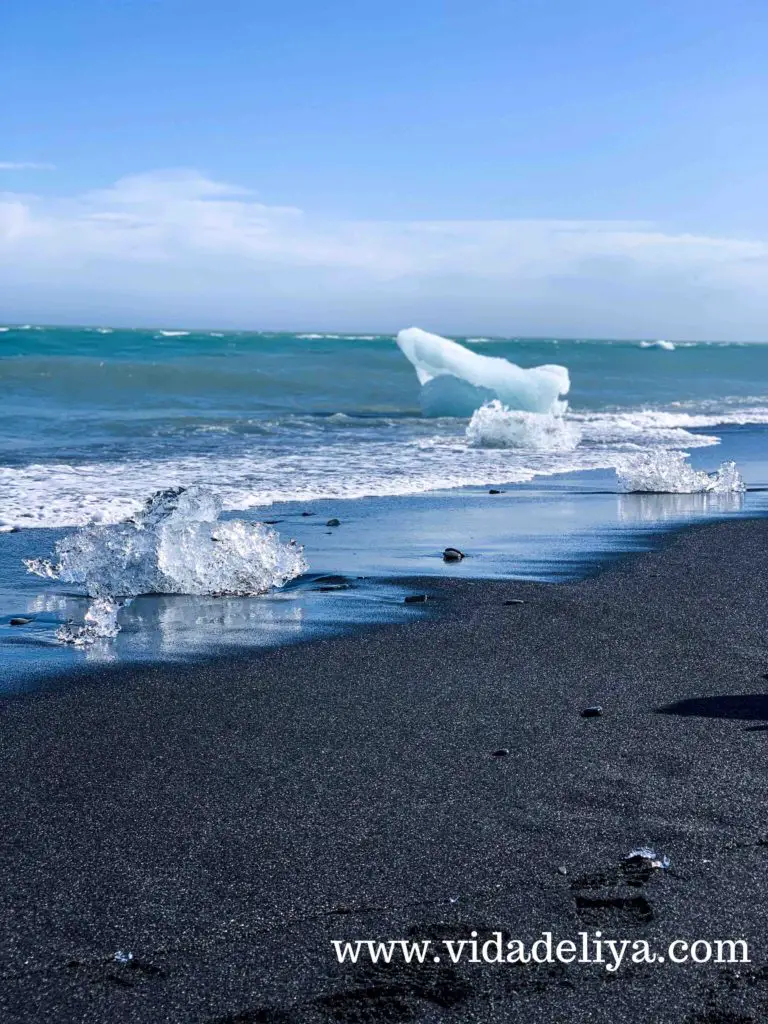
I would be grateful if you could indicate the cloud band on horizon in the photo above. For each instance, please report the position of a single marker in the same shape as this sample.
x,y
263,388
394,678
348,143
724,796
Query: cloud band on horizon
x,y
179,245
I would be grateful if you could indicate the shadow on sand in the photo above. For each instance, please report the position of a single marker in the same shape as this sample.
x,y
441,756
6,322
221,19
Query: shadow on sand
x,y
747,707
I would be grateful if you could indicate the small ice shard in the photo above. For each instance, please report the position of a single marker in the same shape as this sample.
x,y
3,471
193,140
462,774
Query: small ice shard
x,y
175,545
669,472
493,425
122,957
455,381
649,858
99,623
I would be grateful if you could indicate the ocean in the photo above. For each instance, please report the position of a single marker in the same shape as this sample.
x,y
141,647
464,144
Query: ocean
x,y
304,428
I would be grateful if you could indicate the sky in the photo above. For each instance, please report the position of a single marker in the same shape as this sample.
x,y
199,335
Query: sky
x,y
551,167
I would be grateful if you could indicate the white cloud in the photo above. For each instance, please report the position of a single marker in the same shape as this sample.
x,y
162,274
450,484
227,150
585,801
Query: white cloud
x,y
24,165
180,245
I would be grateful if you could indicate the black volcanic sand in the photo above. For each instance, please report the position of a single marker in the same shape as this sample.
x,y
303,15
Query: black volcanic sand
x,y
225,821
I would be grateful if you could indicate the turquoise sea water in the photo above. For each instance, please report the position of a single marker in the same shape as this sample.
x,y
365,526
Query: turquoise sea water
x,y
92,421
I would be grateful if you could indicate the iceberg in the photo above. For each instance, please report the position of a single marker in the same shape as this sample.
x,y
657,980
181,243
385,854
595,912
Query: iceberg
x,y
455,381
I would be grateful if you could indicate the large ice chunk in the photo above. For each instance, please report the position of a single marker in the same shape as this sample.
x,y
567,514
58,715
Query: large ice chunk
x,y
669,472
175,545
455,381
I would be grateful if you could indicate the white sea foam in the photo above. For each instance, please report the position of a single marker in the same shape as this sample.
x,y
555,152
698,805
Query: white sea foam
x,y
455,381
493,425
667,346
4,330
303,459
173,334
669,472
175,545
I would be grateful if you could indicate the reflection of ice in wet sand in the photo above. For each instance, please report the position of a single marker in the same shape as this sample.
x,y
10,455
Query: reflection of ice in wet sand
x,y
652,508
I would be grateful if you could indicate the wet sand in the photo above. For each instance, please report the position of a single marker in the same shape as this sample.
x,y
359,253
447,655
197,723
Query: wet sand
x,y
224,821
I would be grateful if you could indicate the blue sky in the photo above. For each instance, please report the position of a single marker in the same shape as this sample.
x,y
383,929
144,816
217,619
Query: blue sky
x,y
397,134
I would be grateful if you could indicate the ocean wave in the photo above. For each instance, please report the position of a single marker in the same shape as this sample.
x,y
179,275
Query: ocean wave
x,y
643,420
338,456
667,346
172,334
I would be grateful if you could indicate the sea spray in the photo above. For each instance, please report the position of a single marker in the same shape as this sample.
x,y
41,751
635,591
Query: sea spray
x,y
669,472
175,545
493,425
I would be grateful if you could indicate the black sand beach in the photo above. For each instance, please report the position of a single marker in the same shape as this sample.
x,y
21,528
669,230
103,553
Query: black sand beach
x,y
225,821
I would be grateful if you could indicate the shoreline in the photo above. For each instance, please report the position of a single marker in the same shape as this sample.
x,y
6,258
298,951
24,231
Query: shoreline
x,y
529,533
224,820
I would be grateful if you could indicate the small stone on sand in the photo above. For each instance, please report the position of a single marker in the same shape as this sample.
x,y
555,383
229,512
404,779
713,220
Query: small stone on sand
x,y
594,712
501,752
333,522
415,599
452,555
19,620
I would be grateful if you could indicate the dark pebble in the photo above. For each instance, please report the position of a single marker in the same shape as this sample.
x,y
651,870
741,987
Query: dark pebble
x,y
333,522
452,555
594,712
307,513
494,491
415,599
501,752
20,621
515,600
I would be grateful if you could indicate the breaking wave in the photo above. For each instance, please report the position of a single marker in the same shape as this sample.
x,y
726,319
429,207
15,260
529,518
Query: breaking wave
x,y
456,382
493,425
175,545
667,346
668,472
